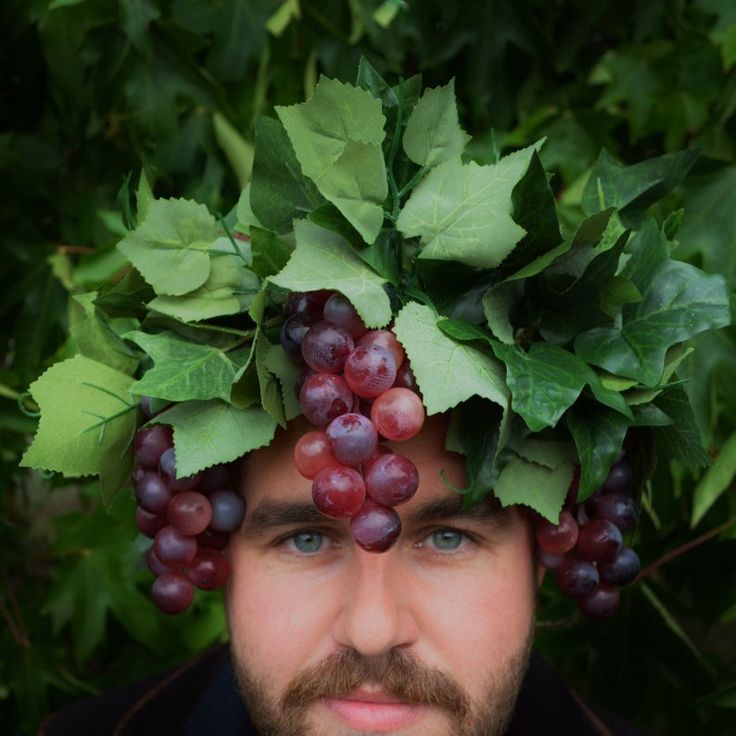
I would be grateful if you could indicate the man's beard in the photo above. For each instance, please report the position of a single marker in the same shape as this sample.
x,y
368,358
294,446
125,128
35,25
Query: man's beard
x,y
401,676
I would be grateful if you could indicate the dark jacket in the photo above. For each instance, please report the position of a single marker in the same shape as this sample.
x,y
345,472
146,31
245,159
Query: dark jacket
x,y
201,697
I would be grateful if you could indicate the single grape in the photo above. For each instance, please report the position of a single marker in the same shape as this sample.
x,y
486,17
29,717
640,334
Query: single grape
x,y
550,561
137,473
405,377
375,527
148,523
215,478
155,565
338,492
599,540
370,370
325,347
398,414
353,438
209,571
620,477
293,332
384,339
391,479
152,493
189,512
309,303
172,592
213,540
324,397
167,466
602,603
313,452
381,450
558,538
149,444
174,548
618,508
228,511
341,312
576,577
622,569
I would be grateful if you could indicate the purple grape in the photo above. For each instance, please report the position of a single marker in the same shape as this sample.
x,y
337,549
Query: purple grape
x,y
155,565
391,479
618,508
189,512
548,560
341,313
325,347
576,577
622,569
149,524
228,511
172,593
324,397
293,332
174,548
375,527
599,540
151,442
602,603
338,492
167,465
209,571
353,438
620,477
152,493
211,539
308,303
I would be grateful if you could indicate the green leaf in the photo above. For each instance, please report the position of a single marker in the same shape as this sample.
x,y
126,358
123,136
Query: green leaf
x,y
270,252
284,368
136,16
279,21
207,433
682,440
324,260
237,150
498,304
462,212
229,289
433,133
680,302
125,298
169,247
185,370
279,192
547,380
631,189
599,434
717,479
87,418
269,388
447,372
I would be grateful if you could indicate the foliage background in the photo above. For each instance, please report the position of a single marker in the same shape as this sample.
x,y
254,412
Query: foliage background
x,y
94,89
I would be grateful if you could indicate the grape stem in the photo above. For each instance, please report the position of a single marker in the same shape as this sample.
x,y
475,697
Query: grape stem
x,y
672,554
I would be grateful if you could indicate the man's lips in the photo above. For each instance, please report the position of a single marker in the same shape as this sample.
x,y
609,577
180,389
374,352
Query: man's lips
x,y
366,709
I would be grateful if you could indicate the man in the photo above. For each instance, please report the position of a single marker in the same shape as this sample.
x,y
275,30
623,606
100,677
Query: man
x,y
431,638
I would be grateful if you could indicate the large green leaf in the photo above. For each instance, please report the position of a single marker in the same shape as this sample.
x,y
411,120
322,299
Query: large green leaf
x,y
169,247
447,372
681,440
324,260
462,212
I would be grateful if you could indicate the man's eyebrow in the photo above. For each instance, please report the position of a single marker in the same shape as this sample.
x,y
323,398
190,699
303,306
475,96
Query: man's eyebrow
x,y
274,514
488,509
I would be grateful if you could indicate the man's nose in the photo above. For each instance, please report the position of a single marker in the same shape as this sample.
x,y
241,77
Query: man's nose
x,y
376,614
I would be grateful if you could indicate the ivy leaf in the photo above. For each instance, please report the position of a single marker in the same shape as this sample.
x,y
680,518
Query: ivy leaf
x,y
547,380
208,433
680,302
324,260
88,418
185,370
433,133
447,372
681,440
279,192
229,289
169,247
462,212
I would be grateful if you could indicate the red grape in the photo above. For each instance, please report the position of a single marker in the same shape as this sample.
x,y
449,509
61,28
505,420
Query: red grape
x,y
341,312
172,592
622,569
558,538
325,347
324,397
313,452
384,339
338,492
152,493
149,523
174,548
189,512
375,527
309,303
353,438
398,414
599,540
167,466
213,540
391,479
155,565
602,603
576,577
618,508
228,511
150,442
370,370
209,571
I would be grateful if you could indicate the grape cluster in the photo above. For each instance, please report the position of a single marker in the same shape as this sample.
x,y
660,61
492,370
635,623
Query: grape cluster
x,y
356,387
585,549
189,520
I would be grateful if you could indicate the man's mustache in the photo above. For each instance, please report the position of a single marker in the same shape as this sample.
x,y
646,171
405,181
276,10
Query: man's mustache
x,y
398,674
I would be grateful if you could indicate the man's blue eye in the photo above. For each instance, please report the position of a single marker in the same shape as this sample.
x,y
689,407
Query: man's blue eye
x,y
447,539
308,542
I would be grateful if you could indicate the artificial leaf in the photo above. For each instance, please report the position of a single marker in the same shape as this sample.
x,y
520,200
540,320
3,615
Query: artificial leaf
x,y
269,388
283,367
169,246
324,260
498,304
239,152
462,212
447,372
681,440
269,252
433,133
208,433
185,370
716,480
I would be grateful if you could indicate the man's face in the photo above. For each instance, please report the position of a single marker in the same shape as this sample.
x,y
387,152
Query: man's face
x,y
430,638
